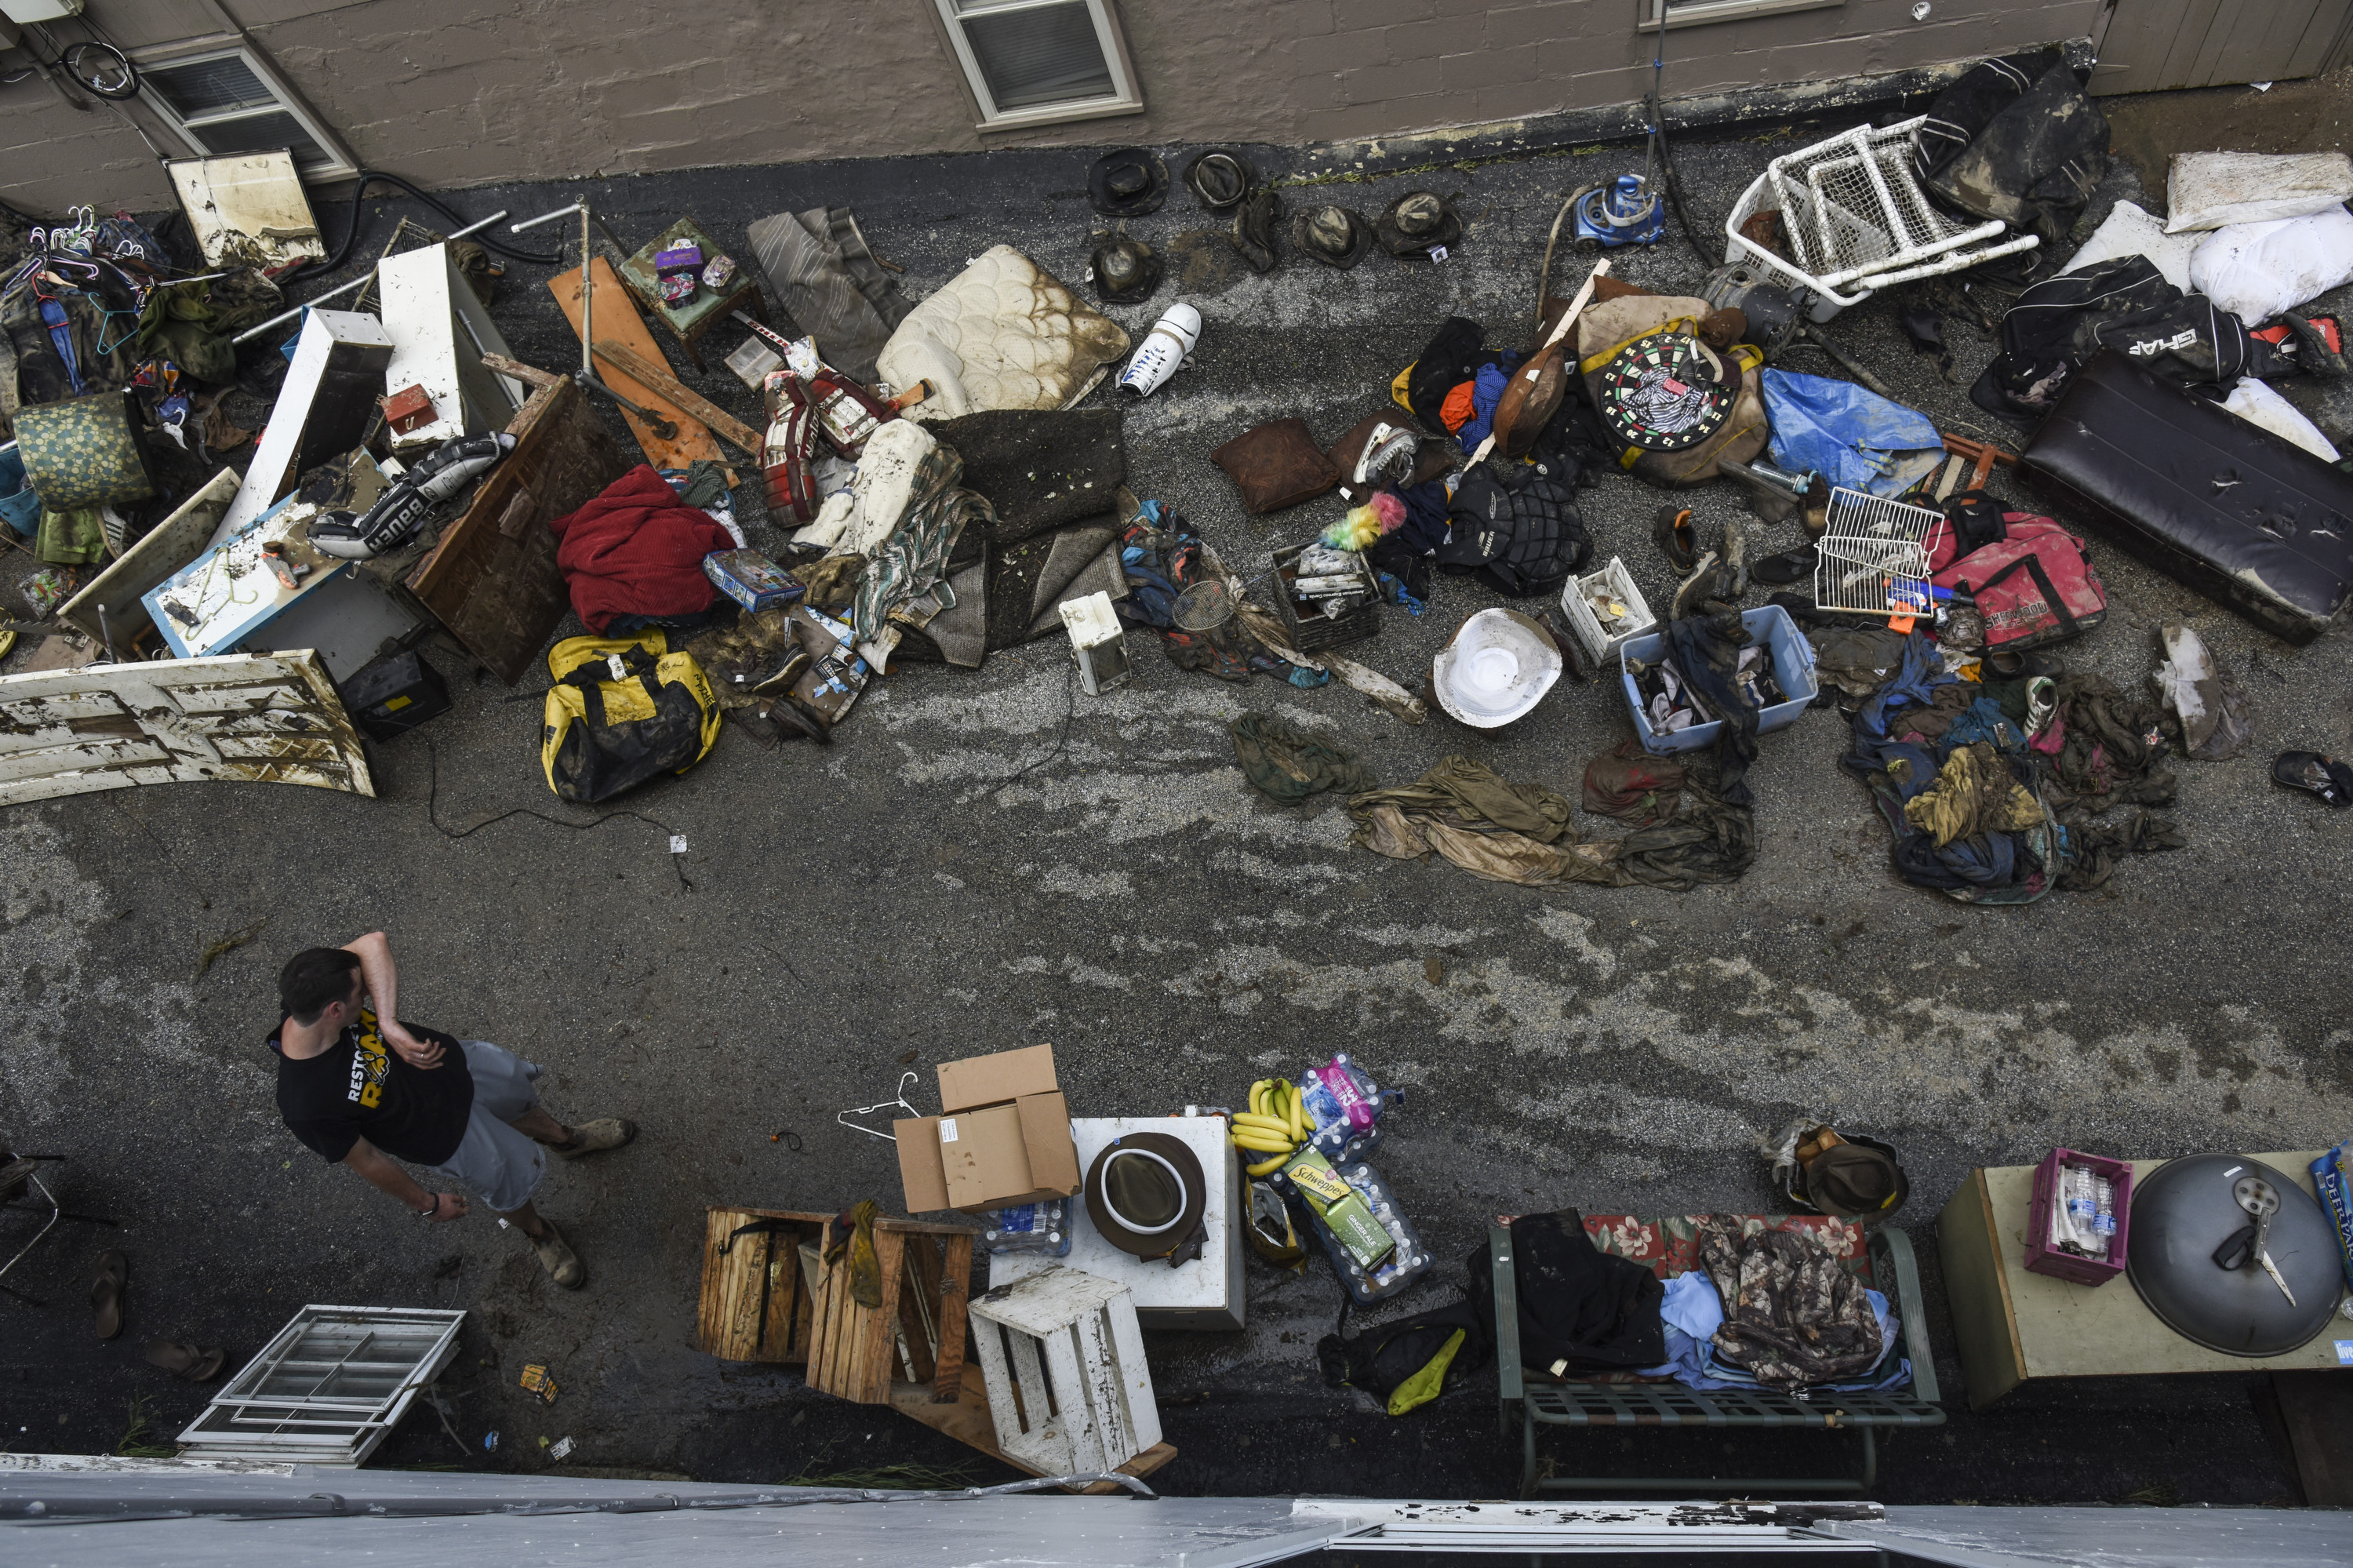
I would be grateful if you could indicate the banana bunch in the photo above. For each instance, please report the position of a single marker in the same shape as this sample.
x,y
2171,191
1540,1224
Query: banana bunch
x,y
1276,1125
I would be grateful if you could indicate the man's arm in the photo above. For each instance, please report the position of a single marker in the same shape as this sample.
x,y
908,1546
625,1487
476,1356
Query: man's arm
x,y
391,1180
382,980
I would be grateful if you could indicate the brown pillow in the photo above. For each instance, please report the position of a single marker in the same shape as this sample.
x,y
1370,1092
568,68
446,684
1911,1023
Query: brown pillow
x,y
1431,457
1276,465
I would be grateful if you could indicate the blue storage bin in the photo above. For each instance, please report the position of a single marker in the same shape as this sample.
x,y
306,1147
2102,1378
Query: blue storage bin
x,y
1793,665
20,507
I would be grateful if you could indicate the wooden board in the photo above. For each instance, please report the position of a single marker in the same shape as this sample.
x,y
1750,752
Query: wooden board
x,y
620,357
616,317
967,1420
727,1319
272,719
163,550
491,577
2015,1326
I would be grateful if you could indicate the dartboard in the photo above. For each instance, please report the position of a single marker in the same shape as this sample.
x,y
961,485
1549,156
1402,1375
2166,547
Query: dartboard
x,y
1665,392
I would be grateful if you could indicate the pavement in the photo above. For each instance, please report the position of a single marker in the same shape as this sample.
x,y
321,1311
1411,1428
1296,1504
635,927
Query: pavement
x,y
987,860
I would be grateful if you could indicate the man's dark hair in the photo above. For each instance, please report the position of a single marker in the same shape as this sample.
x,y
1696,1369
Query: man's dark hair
x,y
314,978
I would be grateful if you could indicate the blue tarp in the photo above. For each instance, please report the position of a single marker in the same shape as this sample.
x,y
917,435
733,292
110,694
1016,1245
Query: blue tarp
x,y
1849,436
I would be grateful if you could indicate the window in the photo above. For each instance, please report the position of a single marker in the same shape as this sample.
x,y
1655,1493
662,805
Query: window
x,y
1034,62
228,101
1698,13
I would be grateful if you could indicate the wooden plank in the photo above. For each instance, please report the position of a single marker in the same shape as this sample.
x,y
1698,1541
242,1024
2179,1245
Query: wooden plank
x,y
955,1278
677,394
491,577
878,1327
2318,1411
919,1299
1990,1362
727,1310
152,736
617,319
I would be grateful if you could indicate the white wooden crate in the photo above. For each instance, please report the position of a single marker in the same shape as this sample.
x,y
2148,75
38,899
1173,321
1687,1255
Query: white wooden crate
x,y
1063,1360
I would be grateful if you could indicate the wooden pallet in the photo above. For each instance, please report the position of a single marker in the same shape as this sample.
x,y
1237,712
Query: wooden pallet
x,y
968,1421
852,1352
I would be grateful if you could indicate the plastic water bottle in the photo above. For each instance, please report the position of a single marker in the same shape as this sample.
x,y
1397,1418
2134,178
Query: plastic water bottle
x,y
2104,1219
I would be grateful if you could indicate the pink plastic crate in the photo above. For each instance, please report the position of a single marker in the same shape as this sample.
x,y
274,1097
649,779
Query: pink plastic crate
x,y
2041,1258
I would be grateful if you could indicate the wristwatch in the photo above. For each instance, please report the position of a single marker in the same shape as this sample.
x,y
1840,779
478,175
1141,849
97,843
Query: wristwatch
x,y
430,1209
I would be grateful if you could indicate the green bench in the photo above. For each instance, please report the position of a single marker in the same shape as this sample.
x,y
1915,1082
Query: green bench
x,y
1882,1261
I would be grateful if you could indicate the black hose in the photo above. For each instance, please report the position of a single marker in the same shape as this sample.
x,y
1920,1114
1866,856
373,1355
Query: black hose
x,y
342,253
1675,184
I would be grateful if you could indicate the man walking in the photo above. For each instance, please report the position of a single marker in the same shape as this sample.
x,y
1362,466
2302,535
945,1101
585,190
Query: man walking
x,y
364,1089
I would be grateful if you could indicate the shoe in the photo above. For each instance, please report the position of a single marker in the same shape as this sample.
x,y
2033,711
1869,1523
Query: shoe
x,y
1696,588
2315,775
1678,540
2313,355
596,1137
1736,561
562,1264
184,1361
1790,566
106,1292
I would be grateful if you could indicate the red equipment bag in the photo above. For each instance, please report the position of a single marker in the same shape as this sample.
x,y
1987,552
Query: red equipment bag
x,y
2033,586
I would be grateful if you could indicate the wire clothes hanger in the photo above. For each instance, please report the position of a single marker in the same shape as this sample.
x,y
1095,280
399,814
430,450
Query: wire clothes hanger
x,y
899,1100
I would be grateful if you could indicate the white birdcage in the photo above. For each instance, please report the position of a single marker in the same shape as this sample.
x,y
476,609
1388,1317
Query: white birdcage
x,y
1854,217
1873,558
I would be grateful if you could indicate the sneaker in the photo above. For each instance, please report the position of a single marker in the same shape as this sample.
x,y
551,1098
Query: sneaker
x,y
596,1137
556,1255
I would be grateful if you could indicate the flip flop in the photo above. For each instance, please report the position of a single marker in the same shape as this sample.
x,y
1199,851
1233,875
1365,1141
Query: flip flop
x,y
1678,540
106,1292
183,1360
2316,774
1790,566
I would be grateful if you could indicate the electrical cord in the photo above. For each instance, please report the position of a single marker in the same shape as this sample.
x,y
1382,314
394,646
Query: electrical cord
x,y
433,796
1071,690
342,253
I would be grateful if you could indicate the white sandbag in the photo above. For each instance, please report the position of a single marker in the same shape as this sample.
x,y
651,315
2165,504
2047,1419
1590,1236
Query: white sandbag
x,y
2214,190
2258,270
2129,232
2256,403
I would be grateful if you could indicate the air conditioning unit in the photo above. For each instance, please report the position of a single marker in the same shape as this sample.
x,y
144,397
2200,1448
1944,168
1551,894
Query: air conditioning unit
x,y
40,10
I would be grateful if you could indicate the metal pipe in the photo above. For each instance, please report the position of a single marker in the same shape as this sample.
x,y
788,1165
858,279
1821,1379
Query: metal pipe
x,y
360,281
588,328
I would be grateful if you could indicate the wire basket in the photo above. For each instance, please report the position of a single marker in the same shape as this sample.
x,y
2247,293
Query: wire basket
x,y
1873,558
1854,216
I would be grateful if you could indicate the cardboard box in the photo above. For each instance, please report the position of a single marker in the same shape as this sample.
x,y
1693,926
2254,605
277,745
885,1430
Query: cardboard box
x,y
1003,1136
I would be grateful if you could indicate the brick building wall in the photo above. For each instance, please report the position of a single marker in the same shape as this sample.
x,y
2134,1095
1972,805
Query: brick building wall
x,y
450,93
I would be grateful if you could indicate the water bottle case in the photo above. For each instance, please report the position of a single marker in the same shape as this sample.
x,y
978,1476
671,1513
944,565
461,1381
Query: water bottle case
x,y
1403,1267
1041,1229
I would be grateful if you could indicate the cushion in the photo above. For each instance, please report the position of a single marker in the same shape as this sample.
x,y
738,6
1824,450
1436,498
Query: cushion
x,y
1002,333
1432,457
1277,465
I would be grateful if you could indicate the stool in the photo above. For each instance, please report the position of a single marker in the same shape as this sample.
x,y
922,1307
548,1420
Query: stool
x,y
706,310
1062,1358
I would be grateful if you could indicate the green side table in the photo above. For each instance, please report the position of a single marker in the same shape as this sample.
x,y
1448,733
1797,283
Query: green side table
x,y
707,308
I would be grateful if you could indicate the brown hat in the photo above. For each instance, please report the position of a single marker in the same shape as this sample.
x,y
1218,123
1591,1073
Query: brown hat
x,y
1333,235
1219,178
1124,271
1127,182
1255,225
1856,1181
1145,1195
1721,329
1417,222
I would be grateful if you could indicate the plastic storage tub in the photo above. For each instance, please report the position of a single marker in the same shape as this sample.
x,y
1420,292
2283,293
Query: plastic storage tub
x,y
1619,584
1793,665
2041,1258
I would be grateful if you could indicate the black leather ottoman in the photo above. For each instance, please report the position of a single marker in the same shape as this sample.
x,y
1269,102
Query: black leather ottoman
x,y
2236,512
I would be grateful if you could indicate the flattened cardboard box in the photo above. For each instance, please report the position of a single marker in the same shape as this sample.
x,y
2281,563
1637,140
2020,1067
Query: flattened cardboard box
x,y
1005,1137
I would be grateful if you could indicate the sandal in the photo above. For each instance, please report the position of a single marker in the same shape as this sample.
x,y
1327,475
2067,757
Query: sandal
x,y
183,1360
2316,774
1678,540
106,1292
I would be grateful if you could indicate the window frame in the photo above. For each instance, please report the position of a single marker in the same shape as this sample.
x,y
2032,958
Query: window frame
x,y
1128,93
1702,13
340,164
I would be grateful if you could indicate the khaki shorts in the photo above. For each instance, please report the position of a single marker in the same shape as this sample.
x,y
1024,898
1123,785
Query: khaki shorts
x,y
502,1166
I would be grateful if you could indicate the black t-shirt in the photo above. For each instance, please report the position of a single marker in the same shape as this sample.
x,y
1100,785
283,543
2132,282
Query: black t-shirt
x,y
361,1087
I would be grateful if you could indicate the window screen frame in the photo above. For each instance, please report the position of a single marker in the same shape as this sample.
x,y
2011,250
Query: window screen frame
x,y
1701,13
338,165
1127,92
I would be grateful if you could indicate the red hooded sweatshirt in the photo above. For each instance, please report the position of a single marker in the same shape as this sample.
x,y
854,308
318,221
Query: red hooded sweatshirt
x,y
637,549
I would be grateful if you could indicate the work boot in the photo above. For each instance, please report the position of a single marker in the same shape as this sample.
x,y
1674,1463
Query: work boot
x,y
596,1137
2313,355
556,1255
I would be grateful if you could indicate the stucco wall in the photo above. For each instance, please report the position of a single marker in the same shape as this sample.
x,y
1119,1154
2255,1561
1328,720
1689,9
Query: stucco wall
x,y
452,92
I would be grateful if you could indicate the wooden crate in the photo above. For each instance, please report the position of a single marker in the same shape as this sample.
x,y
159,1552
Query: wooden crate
x,y
850,1351
1070,1392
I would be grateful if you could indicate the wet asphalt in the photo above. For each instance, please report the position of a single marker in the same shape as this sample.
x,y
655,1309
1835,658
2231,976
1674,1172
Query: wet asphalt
x,y
989,859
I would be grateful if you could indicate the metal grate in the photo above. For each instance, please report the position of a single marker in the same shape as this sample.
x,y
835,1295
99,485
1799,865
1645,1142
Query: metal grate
x,y
1873,558
328,1387
1675,1404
